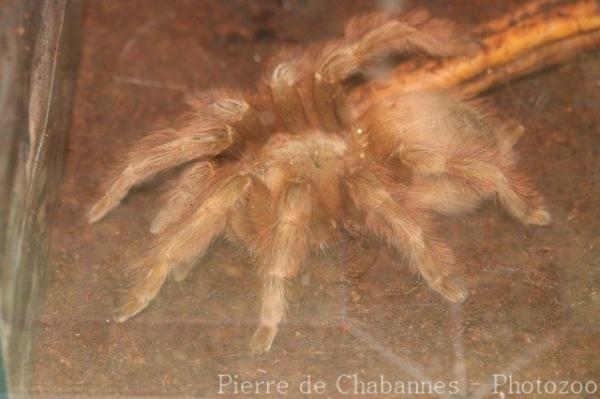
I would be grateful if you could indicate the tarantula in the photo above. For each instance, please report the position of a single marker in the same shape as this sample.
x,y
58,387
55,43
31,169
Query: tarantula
x,y
292,167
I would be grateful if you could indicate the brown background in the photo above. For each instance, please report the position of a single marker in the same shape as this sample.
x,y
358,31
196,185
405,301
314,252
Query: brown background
x,y
535,298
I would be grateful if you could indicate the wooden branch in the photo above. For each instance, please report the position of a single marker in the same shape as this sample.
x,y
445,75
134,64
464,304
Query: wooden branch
x,y
536,59
541,33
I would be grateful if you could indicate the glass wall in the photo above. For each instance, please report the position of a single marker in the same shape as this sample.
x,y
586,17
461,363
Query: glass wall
x,y
359,321
38,56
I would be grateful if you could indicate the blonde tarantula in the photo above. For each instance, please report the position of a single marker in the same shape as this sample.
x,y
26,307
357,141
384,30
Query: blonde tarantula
x,y
292,167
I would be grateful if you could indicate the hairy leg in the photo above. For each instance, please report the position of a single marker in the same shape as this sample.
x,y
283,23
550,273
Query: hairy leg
x,y
186,244
405,231
521,199
442,195
514,190
184,195
369,39
218,121
284,85
509,135
281,255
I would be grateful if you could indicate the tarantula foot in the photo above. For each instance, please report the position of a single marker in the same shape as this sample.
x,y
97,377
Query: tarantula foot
x,y
180,272
130,309
99,210
262,339
450,290
158,224
539,217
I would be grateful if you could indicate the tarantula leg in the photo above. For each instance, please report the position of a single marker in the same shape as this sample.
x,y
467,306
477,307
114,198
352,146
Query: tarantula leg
x,y
508,136
184,195
423,161
369,39
181,271
400,229
376,35
520,198
219,119
328,90
229,107
286,97
146,159
462,192
189,242
514,190
272,310
282,256
445,195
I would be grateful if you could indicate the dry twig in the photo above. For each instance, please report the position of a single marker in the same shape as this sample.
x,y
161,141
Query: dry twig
x,y
540,34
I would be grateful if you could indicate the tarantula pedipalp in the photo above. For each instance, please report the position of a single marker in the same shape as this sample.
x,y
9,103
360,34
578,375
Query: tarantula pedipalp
x,y
291,167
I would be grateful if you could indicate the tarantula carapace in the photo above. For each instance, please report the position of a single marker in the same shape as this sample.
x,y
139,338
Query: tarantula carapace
x,y
292,167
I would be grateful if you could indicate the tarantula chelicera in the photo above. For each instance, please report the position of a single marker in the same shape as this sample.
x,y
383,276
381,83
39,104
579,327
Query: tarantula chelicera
x,y
291,167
